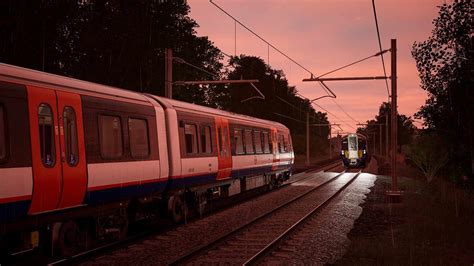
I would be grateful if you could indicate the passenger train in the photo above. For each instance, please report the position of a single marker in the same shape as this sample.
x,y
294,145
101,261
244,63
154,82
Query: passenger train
x,y
80,160
354,151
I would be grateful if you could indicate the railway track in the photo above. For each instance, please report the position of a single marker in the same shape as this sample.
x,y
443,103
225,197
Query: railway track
x,y
253,241
92,253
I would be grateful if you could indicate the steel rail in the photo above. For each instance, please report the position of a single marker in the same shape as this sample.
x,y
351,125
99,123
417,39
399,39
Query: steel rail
x,y
199,250
271,246
110,246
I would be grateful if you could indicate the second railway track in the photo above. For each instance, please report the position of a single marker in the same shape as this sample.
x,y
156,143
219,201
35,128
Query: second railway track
x,y
95,254
252,241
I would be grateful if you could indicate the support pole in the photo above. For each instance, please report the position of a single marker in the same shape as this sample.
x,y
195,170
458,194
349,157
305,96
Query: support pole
x,y
168,73
330,141
394,191
386,137
307,139
380,139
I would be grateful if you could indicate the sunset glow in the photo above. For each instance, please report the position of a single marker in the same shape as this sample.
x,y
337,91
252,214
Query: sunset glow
x,y
322,36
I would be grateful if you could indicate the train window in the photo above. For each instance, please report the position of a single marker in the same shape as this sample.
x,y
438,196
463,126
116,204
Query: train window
x,y
110,133
257,140
138,130
70,136
46,135
352,143
3,142
219,137
281,144
266,143
206,143
224,142
248,142
190,136
239,143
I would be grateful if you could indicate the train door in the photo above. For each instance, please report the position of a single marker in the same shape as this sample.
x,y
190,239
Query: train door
x,y
59,170
73,155
223,148
275,151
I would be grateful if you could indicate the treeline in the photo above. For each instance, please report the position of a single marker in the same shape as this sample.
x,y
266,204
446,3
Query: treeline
x,y
374,132
444,63
122,44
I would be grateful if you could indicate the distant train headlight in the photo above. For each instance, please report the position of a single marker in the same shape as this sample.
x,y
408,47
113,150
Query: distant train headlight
x,y
365,151
342,152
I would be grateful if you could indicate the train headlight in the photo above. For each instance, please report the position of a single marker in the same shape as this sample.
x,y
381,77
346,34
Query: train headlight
x,y
365,151
342,152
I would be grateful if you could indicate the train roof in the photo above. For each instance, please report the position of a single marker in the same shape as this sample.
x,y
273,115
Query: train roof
x,y
34,77
358,135
195,108
11,73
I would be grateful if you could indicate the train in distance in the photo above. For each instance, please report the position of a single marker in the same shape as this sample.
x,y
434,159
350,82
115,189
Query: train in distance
x,y
80,162
354,152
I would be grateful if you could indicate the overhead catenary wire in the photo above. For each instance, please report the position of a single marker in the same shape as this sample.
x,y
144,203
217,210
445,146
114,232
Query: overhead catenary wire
x,y
261,38
294,106
328,91
380,46
335,116
353,63
182,61
289,117
347,114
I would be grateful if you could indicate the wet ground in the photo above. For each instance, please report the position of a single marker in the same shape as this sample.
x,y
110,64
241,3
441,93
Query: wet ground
x,y
328,241
432,225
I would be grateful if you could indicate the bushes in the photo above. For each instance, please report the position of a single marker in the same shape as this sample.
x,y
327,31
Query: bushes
x,y
429,153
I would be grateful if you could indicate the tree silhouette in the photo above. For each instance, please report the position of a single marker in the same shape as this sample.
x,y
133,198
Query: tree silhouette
x,y
405,127
117,43
281,103
444,63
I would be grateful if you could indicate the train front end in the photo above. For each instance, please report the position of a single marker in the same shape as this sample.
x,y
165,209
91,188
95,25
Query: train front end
x,y
354,151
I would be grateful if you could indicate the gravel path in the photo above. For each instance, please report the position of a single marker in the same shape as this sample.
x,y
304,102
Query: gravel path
x,y
165,248
323,240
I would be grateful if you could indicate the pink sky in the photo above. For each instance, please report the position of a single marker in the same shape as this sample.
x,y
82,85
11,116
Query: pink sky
x,y
323,35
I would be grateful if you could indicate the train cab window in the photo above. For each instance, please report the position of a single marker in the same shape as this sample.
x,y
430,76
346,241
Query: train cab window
x,y
248,142
238,140
110,133
206,143
190,137
138,131
46,135
70,136
281,144
266,142
257,140
3,141
352,143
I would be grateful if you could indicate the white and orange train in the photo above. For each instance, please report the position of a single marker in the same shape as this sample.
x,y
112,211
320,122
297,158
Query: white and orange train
x,y
81,158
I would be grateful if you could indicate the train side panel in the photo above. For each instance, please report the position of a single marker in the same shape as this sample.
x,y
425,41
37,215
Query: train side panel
x,y
122,150
16,176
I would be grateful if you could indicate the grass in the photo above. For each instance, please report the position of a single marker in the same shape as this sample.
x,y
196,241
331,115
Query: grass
x,y
433,225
